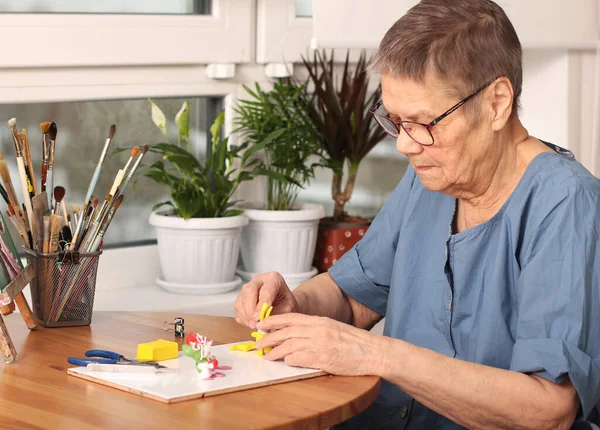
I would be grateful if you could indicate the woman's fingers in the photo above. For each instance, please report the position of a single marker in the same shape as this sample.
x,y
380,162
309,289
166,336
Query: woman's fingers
x,y
246,303
263,288
289,347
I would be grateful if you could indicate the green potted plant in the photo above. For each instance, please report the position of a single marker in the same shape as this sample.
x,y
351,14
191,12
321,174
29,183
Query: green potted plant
x,y
339,107
198,229
281,234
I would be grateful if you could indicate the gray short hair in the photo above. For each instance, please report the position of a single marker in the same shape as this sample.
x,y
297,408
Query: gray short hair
x,y
464,42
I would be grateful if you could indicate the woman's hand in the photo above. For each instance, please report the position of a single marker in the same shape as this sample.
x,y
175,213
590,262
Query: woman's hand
x,y
265,287
321,343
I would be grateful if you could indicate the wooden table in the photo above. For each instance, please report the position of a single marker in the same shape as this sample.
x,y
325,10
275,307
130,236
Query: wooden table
x,y
37,393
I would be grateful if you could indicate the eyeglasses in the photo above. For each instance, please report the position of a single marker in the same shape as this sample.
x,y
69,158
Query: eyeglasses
x,y
419,132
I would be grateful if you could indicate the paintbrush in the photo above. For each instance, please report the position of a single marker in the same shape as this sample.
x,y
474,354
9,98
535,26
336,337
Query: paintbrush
x,y
96,175
55,231
5,173
134,152
53,130
123,187
101,213
86,228
23,144
46,220
14,202
102,231
75,210
67,236
18,225
59,194
11,211
12,124
40,206
65,213
19,210
28,164
45,128
80,223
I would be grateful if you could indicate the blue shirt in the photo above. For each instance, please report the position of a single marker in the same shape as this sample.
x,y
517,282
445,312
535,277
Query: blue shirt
x,y
519,291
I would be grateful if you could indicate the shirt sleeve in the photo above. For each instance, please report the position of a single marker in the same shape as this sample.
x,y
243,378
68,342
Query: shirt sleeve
x,y
558,292
365,271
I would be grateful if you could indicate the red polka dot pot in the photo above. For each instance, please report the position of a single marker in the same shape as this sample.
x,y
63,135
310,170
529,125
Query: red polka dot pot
x,y
334,239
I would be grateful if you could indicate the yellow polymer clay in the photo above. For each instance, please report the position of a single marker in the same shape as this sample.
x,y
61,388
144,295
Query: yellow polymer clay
x,y
265,312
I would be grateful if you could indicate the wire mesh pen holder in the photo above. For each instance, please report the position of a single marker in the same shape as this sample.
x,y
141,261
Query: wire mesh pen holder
x,y
62,290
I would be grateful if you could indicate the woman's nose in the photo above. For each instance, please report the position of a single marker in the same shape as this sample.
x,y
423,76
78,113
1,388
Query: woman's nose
x,y
406,145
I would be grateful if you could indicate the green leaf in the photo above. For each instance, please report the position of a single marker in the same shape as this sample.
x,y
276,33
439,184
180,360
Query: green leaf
x,y
158,117
182,119
234,212
262,144
215,129
161,204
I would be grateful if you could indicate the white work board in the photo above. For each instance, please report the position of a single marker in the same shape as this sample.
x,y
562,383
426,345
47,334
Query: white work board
x,y
248,370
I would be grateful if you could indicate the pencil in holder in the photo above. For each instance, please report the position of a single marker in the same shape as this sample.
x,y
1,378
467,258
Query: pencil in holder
x,y
63,287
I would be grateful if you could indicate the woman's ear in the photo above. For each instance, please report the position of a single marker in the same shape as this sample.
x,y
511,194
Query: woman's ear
x,y
500,97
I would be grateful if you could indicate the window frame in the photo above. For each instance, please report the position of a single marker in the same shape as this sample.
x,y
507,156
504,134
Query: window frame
x,y
129,40
281,36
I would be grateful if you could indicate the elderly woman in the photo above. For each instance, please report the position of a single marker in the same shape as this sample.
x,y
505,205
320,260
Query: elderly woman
x,y
485,261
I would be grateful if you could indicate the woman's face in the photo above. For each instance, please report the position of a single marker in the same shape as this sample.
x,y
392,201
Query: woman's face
x,y
456,160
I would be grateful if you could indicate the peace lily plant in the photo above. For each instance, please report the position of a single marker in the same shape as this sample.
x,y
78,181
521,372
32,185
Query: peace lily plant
x,y
198,235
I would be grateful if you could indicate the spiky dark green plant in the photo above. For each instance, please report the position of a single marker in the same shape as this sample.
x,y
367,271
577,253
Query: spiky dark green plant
x,y
339,108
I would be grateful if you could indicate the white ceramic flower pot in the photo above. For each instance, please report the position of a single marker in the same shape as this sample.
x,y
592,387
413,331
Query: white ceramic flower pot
x,y
198,255
283,241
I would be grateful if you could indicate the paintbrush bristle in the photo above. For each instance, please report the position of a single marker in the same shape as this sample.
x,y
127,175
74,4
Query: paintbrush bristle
x,y
111,133
74,208
59,193
145,149
12,123
135,152
96,203
45,127
1,157
53,131
4,171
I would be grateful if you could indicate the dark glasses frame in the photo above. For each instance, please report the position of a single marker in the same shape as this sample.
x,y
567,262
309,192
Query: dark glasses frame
x,y
400,125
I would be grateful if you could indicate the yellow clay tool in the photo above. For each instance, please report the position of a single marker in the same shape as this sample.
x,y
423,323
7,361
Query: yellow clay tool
x,y
157,351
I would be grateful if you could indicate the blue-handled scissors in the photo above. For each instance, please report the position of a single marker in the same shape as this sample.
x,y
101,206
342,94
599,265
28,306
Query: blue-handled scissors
x,y
100,356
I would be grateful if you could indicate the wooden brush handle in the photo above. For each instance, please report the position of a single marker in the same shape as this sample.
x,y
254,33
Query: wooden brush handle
x,y
30,181
25,192
7,309
43,179
25,311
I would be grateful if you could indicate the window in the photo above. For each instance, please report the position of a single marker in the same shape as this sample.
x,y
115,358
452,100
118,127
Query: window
x,y
304,8
107,6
